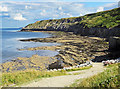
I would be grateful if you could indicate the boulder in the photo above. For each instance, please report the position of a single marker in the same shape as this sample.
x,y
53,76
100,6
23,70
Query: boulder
x,y
56,65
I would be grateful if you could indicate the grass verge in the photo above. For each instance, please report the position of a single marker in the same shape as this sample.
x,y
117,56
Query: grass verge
x,y
20,77
107,79
26,76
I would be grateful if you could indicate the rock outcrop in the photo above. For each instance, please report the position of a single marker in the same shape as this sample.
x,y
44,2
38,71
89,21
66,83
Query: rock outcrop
x,y
114,43
114,50
114,46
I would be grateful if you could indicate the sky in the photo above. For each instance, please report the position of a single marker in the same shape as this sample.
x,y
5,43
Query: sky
x,y
19,13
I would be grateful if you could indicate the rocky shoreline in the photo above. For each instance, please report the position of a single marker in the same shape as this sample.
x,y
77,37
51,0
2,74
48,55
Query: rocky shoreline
x,y
74,50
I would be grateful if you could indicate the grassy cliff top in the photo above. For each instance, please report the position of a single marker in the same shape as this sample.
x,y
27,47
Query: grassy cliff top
x,y
107,19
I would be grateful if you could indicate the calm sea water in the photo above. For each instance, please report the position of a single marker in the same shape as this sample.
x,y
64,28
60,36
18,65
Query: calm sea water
x,y
11,44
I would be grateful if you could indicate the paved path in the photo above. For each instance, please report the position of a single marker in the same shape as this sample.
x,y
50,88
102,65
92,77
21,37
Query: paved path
x,y
66,80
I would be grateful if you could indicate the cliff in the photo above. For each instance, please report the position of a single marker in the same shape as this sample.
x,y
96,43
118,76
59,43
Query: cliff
x,y
102,24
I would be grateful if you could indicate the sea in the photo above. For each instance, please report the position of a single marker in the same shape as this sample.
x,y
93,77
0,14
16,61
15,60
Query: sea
x,y
10,44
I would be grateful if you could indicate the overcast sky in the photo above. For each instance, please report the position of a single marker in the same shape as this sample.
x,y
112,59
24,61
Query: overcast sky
x,y
19,13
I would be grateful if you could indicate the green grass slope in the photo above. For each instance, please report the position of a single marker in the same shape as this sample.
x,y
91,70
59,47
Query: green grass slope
x,y
108,19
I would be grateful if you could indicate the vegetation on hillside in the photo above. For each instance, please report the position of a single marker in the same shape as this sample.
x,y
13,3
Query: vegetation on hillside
x,y
107,19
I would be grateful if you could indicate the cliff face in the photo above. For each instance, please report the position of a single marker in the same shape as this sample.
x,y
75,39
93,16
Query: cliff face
x,y
103,24
56,24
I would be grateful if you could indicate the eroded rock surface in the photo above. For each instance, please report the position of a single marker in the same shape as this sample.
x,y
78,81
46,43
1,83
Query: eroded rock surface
x,y
74,50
